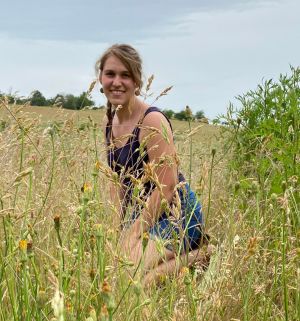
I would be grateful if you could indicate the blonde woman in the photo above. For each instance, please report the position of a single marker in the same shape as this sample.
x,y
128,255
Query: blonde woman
x,y
153,199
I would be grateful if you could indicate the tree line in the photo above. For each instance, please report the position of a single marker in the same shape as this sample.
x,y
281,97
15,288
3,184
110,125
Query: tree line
x,y
67,101
70,101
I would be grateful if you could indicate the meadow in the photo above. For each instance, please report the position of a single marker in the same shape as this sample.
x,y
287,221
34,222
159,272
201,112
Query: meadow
x,y
59,258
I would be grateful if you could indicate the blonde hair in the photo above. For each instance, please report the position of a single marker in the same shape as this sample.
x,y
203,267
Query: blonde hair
x,y
131,60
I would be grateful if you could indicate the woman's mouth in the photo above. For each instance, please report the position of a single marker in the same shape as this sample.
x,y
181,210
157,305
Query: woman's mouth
x,y
117,92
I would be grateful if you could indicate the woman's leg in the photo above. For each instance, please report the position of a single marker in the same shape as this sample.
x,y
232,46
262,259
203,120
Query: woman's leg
x,y
174,264
149,255
155,264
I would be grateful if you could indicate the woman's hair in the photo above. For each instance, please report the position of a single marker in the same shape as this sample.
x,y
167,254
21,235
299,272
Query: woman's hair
x,y
131,60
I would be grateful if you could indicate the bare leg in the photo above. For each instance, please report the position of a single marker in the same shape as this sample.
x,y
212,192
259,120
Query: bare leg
x,y
174,265
156,264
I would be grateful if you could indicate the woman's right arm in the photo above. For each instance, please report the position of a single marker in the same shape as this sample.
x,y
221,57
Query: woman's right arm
x,y
116,192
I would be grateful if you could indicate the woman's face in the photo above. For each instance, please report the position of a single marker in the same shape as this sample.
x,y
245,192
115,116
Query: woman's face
x,y
117,82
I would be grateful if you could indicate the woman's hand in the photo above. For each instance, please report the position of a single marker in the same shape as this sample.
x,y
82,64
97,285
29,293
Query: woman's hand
x,y
130,242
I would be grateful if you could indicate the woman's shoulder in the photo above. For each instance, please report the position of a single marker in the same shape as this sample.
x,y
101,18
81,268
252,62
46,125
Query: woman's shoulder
x,y
156,121
154,117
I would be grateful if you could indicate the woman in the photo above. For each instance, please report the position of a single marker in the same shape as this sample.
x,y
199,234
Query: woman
x,y
155,203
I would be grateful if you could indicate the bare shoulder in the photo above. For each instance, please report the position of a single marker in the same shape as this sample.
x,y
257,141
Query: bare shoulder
x,y
157,120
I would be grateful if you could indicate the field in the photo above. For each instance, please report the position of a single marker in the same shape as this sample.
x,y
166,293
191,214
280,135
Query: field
x,y
59,257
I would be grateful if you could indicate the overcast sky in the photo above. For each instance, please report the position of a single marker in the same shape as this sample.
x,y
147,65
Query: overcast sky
x,y
210,50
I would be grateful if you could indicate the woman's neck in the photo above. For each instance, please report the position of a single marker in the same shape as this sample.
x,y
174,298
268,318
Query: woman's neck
x,y
131,111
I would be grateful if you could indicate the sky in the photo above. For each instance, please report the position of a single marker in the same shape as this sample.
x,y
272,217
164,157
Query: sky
x,y
210,51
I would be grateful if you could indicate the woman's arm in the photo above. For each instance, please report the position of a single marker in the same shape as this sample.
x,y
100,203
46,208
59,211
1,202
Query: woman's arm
x,y
161,169
116,192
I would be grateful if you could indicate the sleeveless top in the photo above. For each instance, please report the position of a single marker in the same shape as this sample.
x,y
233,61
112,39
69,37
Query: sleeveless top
x,y
127,161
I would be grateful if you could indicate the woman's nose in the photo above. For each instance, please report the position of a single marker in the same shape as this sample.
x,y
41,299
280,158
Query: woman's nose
x,y
117,80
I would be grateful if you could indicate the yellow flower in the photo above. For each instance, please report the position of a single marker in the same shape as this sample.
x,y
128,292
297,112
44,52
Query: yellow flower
x,y
87,187
185,270
23,245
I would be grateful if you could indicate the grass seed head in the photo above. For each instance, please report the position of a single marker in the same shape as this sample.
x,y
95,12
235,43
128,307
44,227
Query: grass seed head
x,y
56,220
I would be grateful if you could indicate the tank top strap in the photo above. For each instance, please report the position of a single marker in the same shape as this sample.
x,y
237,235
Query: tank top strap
x,y
148,111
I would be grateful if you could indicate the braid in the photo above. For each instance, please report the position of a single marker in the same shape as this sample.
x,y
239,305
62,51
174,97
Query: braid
x,y
110,119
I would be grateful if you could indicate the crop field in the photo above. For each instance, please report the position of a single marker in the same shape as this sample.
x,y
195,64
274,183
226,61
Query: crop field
x,y
60,258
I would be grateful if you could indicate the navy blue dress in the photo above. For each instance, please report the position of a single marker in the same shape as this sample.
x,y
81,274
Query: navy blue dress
x,y
178,233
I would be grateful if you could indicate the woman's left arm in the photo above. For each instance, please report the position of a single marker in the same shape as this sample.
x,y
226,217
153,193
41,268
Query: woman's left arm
x,y
162,169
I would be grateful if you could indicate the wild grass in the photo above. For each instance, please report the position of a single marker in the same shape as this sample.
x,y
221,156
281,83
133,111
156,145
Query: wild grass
x,y
59,258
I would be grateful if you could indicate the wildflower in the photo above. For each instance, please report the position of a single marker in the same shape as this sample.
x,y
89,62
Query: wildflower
x,y
87,187
23,245
184,270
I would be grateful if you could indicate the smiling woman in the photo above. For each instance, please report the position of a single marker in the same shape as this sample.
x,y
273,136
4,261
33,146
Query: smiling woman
x,y
154,202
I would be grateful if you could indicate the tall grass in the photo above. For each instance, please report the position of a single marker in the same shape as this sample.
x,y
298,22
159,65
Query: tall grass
x,y
59,255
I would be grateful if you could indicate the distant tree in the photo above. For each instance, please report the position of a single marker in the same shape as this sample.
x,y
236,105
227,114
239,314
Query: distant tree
x,y
57,101
37,99
199,114
169,113
70,102
83,101
181,115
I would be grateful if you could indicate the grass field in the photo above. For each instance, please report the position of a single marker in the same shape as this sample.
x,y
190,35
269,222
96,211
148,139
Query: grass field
x,y
59,258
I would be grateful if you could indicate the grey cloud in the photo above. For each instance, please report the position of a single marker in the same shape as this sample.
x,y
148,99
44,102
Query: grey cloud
x,y
98,21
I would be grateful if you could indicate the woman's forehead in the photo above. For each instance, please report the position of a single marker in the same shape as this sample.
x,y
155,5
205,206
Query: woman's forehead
x,y
113,62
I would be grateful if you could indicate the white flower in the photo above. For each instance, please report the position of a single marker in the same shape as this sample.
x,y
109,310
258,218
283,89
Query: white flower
x,y
57,304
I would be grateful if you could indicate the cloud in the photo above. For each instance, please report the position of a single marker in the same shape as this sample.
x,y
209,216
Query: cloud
x,y
100,21
224,54
210,53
